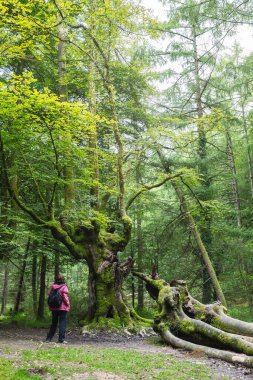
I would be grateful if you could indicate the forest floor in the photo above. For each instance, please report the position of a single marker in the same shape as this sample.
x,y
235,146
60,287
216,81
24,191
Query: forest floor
x,y
25,347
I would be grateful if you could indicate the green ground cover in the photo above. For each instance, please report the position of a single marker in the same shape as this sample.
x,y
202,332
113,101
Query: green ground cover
x,y
67,361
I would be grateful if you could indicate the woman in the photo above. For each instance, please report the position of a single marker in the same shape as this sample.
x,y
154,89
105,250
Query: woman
x,y
59,313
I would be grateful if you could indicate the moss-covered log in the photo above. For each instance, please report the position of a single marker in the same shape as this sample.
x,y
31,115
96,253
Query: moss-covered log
x,y
186,323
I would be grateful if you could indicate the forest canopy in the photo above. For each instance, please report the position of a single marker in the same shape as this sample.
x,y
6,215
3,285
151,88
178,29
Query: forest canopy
x,y
125,144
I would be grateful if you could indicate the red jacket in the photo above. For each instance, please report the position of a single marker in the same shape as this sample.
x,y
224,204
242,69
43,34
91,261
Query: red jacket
x,y
64,294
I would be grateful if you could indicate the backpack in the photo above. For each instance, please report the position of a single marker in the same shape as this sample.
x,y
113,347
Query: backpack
x,y
55,299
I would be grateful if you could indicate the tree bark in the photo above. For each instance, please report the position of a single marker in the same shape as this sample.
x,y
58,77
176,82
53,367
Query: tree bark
x,y
140,250
140,258
205,230
249,153
243,265
21,277
42,291
5,288
57,259
69,187
92,98
106,298
34,282
235,189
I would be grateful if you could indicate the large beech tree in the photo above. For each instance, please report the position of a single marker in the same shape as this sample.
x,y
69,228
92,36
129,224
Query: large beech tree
x,y
70,155
33,131
41,151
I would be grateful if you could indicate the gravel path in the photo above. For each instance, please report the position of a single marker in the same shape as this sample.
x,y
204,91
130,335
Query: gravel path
x,y
16,339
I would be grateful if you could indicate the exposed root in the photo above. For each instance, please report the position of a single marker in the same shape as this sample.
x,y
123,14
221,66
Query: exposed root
x,y
215,315
186,323
228,356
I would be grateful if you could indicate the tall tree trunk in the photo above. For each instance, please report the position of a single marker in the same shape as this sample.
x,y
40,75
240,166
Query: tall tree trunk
x,y
99,248
132,279
203,252
106,298
205,230
5,288
43,271
234,184
92,98
194,230
248,151
246,273
34,282
140,250
57,261
21,277
69,187
139,237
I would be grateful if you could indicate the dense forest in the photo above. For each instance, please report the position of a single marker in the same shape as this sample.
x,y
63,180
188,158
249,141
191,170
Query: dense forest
x,y
126,147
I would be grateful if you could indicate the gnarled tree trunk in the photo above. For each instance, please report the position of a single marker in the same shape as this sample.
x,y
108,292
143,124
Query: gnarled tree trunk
x,y
99,248
106,299
185,323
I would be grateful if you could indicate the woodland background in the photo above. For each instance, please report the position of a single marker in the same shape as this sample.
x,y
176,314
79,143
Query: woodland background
x,y
182,102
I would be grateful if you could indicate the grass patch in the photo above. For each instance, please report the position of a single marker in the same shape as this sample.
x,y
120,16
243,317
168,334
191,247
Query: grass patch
x,y
23,320
129,364
8,372
240,312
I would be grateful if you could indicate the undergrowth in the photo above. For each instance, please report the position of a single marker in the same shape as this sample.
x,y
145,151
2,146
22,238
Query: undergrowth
x,y
240,312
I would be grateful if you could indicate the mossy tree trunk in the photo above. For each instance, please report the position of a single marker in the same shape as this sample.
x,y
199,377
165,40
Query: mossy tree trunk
x,y
186,323
106,299
99,248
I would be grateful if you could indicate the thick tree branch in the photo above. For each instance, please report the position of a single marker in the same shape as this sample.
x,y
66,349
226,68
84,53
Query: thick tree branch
x,y
150,187
36,185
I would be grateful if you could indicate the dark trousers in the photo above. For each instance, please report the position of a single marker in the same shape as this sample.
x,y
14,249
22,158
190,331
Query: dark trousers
x,y
61,316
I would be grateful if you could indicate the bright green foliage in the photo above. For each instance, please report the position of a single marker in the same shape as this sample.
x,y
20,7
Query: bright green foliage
x,y
111,121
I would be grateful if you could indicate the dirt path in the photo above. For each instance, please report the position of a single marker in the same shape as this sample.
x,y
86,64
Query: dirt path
x,y
19,339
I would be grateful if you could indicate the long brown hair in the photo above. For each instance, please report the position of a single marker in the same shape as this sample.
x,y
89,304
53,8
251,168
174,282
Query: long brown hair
x,y
59,279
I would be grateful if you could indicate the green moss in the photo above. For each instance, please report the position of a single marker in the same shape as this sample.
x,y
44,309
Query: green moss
x,y
106,324
216,322
113,241
127,222
186,326
164,293
107,276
